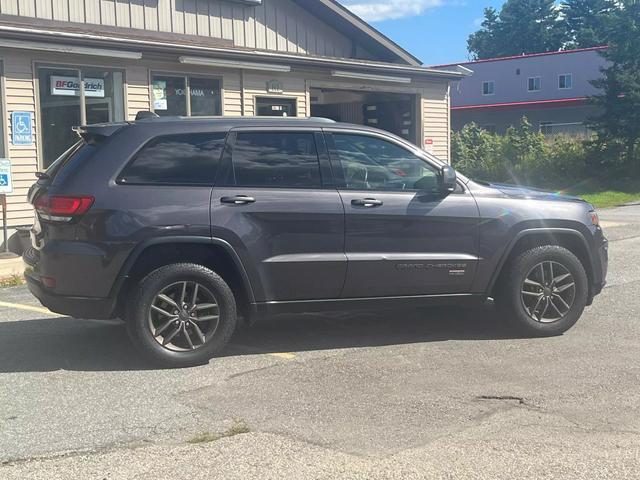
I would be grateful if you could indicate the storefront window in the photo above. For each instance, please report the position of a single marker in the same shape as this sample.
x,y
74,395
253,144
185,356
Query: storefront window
x,y
205,96
59,111
65,103
178,95
104,100
169,96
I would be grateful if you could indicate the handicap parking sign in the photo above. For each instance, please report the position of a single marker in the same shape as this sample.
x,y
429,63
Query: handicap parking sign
x,y
21,131
5,176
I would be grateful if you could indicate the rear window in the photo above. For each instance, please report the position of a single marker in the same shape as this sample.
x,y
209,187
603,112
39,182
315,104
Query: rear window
x,y
77,153
185,159
276,160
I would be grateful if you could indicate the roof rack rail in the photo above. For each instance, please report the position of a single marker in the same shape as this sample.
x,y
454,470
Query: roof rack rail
x,y
322,119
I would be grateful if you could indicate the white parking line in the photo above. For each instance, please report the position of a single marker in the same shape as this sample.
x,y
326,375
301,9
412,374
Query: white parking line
x,y
29,308
247,348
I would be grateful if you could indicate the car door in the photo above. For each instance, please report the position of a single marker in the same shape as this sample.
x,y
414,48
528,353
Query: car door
x,y
402,236
275,204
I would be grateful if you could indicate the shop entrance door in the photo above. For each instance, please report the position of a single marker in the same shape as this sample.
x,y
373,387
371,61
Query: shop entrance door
x,y
275,107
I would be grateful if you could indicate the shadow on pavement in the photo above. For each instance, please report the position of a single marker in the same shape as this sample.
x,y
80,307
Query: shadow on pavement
x,y
67,344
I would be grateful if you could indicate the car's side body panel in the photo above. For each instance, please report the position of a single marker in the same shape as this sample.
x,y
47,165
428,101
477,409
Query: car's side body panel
x,y
410,245
293,239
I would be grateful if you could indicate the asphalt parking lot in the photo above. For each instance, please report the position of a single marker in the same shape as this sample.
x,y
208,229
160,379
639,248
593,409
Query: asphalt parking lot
x,y
441,393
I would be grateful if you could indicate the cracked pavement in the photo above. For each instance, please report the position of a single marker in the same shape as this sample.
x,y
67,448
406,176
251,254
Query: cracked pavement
x,y
439,393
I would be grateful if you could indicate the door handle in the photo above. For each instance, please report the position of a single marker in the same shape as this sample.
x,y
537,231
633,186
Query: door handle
x,y
238,200
366,202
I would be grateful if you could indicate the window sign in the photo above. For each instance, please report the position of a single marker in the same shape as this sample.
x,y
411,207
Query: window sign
x,y
159,95
70,86
6,185
274,86
428,145
21,131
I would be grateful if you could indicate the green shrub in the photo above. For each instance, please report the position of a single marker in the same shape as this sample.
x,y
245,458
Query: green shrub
x,y
521,156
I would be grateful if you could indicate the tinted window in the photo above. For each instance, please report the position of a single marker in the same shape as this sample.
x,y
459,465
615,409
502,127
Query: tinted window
x,y
189,159
271,159
75,155
371,163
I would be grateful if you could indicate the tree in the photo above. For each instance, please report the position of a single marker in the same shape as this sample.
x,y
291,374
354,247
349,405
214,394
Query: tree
x,y
619,123
586,21
522,26
482,44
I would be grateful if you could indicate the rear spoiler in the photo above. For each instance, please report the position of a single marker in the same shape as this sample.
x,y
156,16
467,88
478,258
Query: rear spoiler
x,y
97,133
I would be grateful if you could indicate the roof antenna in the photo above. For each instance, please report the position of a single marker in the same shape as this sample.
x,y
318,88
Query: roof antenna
x,y
142,114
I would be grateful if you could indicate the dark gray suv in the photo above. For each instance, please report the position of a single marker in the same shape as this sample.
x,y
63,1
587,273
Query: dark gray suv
x,y
180,226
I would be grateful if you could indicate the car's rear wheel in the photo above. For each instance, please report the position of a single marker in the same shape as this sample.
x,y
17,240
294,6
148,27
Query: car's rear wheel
x,y
544,291
181,315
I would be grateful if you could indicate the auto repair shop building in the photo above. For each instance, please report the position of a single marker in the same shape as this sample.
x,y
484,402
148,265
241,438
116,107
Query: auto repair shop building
x,y
71,62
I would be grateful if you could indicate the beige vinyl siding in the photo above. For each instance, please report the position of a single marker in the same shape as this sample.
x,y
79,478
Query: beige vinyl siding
x,y
19,96
435,118
232,94
278,25
138,93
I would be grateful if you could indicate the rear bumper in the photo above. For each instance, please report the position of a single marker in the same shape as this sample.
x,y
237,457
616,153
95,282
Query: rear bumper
x,y
77,307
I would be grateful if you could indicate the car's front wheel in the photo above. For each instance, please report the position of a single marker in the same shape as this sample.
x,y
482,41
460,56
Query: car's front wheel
x,y
181,314
544,291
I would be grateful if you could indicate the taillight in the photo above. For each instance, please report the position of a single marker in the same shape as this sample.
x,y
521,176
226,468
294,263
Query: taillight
x,y
62,208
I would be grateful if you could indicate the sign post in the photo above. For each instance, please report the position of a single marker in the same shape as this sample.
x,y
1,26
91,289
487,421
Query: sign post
x,y
6,186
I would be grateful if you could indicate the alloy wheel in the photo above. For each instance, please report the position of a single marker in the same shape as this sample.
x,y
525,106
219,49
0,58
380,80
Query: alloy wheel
x,y
183,316
548,292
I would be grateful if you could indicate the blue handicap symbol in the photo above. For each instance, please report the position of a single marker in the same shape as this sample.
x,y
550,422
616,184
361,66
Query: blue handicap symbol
x,y
4,179
21,125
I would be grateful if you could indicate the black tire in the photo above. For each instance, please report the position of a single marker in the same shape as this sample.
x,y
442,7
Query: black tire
x,y
138,315
509,298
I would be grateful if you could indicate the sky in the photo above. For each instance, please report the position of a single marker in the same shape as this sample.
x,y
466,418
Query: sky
x,y
435,31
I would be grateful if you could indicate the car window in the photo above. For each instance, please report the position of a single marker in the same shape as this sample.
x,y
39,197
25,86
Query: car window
x,y
185,159
76,153
275,159
371,163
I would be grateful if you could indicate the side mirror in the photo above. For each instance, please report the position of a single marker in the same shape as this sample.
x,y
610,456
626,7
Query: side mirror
x,y
447,179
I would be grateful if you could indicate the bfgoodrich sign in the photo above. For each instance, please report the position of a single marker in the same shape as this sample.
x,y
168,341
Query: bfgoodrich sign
x,y
70,86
